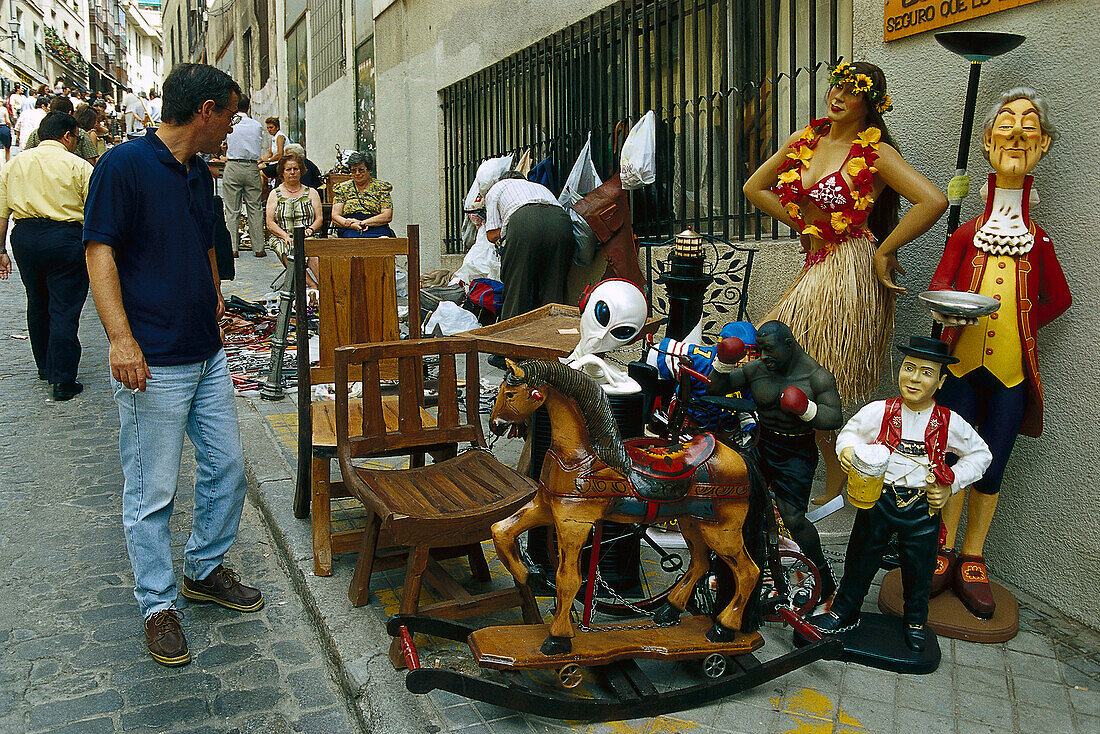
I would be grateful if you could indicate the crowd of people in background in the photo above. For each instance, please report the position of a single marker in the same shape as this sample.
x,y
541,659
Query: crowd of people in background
x,y
267,185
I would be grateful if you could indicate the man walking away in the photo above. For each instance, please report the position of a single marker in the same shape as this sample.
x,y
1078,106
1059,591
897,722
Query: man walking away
x,y
154,106
149,242
241,180
45,189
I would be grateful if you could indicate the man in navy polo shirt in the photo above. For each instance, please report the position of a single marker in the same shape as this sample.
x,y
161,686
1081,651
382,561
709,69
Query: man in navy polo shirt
x,y
148,234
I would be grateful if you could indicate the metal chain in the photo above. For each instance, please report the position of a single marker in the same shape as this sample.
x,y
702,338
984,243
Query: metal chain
x,y
603,586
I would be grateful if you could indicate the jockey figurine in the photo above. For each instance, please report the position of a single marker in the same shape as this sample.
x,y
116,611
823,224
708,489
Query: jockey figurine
x,y
995,384
918,483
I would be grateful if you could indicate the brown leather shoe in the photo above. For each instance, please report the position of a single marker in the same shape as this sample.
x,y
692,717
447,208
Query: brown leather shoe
x,y
971,584
223,586
946,561
164,637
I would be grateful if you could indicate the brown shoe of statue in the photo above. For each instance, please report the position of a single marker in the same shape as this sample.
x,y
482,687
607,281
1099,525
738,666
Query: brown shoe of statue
x,y
971,584
164,637
946,561
223,587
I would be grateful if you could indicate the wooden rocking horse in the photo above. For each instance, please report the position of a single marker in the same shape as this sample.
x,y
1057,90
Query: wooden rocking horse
x,y
591,475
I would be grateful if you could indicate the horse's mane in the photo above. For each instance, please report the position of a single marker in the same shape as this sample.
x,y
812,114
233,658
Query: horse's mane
x,y
592,402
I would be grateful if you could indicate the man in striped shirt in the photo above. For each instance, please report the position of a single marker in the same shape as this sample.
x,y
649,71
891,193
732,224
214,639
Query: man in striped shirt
x,y
535,238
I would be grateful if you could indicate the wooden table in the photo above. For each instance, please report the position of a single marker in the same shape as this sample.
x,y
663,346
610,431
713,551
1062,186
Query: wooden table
x,y
548,332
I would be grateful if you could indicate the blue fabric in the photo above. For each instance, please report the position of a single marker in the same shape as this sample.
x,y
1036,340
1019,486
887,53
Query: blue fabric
x,y
479,295
743,330
996,413
159,217
195,400
51,266
702,360
374,230
543,173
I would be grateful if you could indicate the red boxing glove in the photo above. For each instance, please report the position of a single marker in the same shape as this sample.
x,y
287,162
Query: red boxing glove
x,y
731,350
793,400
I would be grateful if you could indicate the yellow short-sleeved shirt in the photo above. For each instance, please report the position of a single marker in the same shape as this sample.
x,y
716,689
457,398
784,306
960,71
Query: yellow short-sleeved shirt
x,y
370,202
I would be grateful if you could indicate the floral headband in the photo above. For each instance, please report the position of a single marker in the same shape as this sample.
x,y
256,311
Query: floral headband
x,y
843,73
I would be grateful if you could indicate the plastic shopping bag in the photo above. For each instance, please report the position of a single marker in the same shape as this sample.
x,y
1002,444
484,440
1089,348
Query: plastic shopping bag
x,y
481,261
450,318
638,161
585,238
582,179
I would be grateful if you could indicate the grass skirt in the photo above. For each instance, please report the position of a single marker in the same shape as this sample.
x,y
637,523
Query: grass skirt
x,y
842,316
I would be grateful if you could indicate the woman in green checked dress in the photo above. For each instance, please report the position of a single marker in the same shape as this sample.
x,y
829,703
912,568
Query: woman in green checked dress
x,y
291,204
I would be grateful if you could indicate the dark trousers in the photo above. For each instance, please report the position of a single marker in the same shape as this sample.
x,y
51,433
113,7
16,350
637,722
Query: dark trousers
x,y
535,262
918,539
994,410
788,464
50,256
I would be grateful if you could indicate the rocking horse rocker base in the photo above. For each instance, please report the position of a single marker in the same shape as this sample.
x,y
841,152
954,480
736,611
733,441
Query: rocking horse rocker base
x,y
609,654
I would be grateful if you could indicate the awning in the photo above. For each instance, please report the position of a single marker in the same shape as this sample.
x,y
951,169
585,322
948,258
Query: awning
x,y
15,73
104,73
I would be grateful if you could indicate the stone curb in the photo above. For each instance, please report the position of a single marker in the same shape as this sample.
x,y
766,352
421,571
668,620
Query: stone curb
x,y
248,416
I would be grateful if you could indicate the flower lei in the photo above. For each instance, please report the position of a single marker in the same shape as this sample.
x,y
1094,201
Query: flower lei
x,y
843,73
849,221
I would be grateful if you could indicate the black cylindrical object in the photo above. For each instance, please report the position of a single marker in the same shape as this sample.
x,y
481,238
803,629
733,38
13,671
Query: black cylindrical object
x,y
686,286
620,560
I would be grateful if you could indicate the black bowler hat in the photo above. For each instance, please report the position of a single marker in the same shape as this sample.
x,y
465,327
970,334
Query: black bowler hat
x,y
931,349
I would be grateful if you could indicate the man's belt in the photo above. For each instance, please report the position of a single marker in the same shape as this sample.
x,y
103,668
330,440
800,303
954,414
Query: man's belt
x,y
904,496
243,160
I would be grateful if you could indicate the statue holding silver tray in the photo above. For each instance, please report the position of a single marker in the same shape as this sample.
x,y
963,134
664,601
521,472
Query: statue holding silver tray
x,y
1002,257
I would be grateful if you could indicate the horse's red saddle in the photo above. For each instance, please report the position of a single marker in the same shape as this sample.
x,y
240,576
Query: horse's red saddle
x,y
664,473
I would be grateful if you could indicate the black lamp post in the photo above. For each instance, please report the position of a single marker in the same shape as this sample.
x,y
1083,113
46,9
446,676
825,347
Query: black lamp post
x,y
686,283
976,47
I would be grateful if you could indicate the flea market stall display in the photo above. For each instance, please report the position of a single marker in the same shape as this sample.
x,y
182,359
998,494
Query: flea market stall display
x,y
710,439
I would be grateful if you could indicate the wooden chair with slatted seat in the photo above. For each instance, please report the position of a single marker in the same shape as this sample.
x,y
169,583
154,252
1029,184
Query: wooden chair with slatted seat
x,y
430,509
357,303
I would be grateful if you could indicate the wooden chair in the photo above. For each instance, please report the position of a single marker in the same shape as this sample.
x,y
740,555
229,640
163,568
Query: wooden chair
x,y
331,180
357,304
445,506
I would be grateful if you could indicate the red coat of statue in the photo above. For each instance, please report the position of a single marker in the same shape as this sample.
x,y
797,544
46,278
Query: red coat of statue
x,y
1042,293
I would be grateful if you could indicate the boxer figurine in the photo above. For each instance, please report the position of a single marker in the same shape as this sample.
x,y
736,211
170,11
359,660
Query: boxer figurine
x,y
995,383
918,482
794,396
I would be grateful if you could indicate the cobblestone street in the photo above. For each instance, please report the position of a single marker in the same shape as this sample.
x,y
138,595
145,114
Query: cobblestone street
x,y
74,656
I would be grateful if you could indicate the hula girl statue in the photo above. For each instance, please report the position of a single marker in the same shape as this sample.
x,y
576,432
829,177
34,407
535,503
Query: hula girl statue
x,y
838,183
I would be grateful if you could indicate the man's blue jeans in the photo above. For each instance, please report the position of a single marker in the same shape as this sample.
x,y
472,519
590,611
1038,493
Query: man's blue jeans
x,y
197,400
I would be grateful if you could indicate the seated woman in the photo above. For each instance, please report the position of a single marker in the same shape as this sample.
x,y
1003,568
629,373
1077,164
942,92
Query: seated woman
x,y
362,206
292,204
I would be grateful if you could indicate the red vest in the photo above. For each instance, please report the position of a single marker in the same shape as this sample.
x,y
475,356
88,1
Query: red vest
x,y
1042,293
935,437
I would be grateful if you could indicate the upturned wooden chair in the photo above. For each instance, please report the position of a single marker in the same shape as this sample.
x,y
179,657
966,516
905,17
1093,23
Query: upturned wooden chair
x,y
357,304
443,509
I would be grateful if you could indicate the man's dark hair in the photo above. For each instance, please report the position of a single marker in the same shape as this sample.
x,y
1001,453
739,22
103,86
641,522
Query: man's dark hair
x,y
42,101
55,124
243,103
188,86
61,104
513,174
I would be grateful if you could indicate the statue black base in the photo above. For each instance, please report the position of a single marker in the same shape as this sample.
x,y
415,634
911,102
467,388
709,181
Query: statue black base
x,y
879,642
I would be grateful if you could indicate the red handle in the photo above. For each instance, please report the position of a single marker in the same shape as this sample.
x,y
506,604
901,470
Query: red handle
x,y
697,375
408,649
800,625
